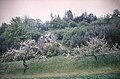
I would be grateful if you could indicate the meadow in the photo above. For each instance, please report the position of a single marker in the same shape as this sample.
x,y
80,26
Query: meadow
x,y
107,67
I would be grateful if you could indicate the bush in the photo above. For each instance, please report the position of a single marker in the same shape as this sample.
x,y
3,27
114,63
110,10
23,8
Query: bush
x,y
53,50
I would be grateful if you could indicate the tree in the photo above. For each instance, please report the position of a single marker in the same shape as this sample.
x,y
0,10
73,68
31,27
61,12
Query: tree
x,y
21,30
16,20
75,36
3,27
4,44
15,33
78,19
68,16
107,20
112,35
91,18
85,17
95,46
116,12
51,15
28,49
115,19
57,23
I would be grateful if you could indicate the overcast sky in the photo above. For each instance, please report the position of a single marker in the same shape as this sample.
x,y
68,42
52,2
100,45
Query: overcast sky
x,y
41,9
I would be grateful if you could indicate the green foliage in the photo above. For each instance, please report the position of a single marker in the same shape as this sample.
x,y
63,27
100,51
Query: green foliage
x,y
83,23
75,36
116,12
107,27
112,35
50,54
20,31
72,24
4,43
57,23
68,16
98,22
115,21
16,33
85,17
53,50
2,28
60,34
75,30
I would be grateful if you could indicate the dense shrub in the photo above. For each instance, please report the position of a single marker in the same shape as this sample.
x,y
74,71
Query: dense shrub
x,y
53,50
75,36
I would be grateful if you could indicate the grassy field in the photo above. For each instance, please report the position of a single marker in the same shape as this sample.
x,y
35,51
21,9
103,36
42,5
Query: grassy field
x,y
107,67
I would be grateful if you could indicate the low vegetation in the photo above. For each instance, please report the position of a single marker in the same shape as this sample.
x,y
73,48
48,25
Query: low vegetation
x,y
60,66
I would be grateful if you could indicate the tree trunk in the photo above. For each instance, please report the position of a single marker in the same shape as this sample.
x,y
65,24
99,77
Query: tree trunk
x,y
25,66
95,57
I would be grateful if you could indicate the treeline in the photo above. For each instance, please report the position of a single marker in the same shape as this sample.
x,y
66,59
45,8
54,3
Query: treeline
x,y
107,27
71,31
20,29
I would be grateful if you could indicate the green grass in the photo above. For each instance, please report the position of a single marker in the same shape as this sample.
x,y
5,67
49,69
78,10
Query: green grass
x,y
96,76
107,67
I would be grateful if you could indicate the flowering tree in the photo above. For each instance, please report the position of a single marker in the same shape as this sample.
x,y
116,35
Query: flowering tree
x,y
95,46
28,49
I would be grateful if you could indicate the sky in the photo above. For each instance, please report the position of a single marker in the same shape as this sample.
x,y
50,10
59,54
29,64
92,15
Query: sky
x,y
41,9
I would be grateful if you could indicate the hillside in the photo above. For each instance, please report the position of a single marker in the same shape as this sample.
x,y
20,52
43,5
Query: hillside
x,y
68,47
